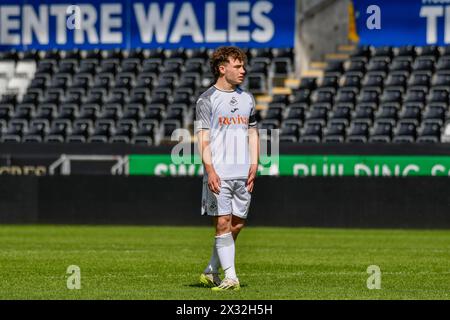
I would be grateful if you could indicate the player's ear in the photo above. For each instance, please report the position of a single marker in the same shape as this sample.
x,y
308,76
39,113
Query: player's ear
x,y
222,69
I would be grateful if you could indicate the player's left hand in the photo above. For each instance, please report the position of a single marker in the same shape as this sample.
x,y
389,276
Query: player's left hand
x,y
251,177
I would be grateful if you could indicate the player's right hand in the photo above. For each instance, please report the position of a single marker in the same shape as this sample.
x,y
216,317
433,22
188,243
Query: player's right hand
x,y
214,182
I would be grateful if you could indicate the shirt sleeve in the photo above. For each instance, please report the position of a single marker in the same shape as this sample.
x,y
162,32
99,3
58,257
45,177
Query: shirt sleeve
x,y
252,119
202,115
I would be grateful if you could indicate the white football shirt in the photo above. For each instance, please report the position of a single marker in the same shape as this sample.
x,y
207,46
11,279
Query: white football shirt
x,y
227,115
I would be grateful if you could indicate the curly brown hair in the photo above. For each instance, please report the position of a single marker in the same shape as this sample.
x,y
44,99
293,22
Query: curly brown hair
x,y
222,54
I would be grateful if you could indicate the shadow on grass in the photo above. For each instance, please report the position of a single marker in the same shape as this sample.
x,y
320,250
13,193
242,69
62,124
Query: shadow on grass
x,y
198,285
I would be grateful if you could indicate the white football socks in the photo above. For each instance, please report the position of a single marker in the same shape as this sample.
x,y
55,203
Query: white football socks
x,y
226,251
214,262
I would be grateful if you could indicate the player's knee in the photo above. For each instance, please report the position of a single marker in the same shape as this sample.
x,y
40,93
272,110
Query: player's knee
x,y
237,228
237,224
223,225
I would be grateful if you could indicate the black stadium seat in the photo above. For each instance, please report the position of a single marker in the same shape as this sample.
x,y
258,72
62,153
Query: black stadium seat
x,y
358,132
290,129
407,51
334,132
341,114
312,132
381,132
405,131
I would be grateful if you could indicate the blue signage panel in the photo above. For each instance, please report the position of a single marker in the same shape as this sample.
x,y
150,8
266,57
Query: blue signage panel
x,y
403,22
61,24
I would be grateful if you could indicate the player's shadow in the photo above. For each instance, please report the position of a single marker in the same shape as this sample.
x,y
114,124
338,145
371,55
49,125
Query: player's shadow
x,y
198,285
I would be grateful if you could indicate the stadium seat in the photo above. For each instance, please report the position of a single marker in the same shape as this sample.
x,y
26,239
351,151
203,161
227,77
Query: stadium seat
x,y
311,132
309,83
435,111
383,52
405,131
334,132
302,96
381,131
411,112
340,113
290,129
407,51
430,51
368,96
429,131
274,113
387,112
257,83
401,64
329,82
361,52
373,80
424,64
295,111
334,67
318,113
358,132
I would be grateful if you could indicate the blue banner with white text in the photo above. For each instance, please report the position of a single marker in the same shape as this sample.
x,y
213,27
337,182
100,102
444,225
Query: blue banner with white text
x,y
62,24
403,22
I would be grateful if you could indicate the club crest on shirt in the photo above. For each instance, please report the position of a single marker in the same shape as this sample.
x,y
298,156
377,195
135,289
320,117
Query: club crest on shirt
x,y
233,101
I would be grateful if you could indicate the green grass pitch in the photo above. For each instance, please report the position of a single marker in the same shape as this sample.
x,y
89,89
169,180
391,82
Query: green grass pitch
x,y
272,263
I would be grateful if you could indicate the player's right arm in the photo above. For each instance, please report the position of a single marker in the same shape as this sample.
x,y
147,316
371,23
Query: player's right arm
x,y
205,152
203,117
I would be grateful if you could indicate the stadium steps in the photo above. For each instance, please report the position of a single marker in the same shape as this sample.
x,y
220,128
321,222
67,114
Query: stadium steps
x,y
315,70
312,73
346,48
263,99
262,102
292,83
260,107
282,90
337,56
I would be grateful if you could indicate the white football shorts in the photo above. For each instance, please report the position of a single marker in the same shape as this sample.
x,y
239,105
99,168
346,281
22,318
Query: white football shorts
x,y
233,198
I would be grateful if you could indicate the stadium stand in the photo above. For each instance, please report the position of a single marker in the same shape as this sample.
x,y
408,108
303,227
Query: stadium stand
x,y
383,94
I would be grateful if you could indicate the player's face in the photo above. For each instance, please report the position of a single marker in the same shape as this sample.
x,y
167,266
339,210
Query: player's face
x,y
234,71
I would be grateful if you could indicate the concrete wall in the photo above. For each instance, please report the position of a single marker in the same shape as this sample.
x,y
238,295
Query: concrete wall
x,y
322,26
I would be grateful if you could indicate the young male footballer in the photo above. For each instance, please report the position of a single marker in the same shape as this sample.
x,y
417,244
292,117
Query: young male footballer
x,y
229,147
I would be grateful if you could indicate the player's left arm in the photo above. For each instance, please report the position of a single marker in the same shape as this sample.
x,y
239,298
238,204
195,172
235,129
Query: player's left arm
x,y
253,144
